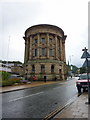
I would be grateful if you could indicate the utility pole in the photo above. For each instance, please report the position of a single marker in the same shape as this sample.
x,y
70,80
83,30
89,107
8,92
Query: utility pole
x,y
86,56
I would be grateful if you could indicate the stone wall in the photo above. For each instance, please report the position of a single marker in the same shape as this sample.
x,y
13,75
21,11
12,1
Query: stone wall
x,y
44,47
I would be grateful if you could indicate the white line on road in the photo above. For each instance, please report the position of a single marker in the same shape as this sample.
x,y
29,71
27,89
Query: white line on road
x,y
62,83
25,97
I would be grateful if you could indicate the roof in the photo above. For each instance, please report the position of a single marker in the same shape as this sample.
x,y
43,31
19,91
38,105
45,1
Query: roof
x,y
45,25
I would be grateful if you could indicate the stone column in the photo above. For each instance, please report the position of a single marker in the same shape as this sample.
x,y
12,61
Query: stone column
x,y
47,45
38,36
64,57
30,55
26,50
61,49
59,54
56,51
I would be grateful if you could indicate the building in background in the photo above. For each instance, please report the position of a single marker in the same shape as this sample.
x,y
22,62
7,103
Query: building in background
x,y
45,52
13,67
5,67
17,69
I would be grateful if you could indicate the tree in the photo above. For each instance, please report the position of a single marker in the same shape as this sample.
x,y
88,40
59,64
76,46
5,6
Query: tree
x,y
5,75
74,69
83,70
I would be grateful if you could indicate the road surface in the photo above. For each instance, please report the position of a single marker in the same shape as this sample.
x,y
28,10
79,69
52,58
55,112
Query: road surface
x,y
37,102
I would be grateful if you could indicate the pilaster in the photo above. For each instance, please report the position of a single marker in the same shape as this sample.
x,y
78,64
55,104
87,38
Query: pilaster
x,y
56,51
30,55
47,45
61,49
26,50
63,42
64,52
38,36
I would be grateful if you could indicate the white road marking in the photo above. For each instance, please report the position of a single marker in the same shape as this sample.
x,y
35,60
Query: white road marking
x,y
61,83
25,97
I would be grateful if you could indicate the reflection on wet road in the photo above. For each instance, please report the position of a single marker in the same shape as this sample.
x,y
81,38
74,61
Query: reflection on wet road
x,y
37,102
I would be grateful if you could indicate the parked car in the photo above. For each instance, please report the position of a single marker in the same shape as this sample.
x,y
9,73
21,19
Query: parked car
x,y
16,76
24,81
82,82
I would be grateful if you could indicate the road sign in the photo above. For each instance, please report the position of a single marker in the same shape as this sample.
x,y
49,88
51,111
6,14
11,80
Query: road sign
x,y
85,63
85,55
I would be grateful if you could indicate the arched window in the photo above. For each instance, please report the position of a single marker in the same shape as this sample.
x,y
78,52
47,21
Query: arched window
x,y
52,68
42,69
33,68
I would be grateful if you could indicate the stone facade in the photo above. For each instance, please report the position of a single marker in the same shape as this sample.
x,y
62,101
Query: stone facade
x,y
45,52
17,69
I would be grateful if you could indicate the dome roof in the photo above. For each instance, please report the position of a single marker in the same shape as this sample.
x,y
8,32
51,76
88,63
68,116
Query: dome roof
x,y
44,26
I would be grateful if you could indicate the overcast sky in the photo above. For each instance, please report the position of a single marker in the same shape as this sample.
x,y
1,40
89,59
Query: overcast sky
x,y
18,15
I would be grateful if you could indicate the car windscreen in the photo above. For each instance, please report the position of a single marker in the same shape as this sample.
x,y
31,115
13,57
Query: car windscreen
x,y
84,77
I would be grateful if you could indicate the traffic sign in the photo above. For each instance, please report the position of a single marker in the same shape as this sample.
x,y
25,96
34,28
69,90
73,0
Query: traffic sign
x,y
85,63
85,55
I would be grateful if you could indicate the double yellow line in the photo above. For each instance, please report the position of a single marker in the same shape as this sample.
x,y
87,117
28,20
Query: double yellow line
x,y
52,114
59,109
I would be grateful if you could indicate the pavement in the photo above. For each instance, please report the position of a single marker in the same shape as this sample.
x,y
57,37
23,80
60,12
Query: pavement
x,y
76,109
28,85
25,86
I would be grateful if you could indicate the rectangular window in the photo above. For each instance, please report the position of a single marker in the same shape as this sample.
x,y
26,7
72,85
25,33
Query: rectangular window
x,y
50,40
35,41
43,51
43,40
50,52
35,52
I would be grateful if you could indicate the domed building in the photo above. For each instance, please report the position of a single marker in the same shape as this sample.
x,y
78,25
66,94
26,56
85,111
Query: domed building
x,y
45,52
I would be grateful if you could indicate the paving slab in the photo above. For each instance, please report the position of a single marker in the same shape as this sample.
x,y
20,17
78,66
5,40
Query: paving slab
x,y
78,109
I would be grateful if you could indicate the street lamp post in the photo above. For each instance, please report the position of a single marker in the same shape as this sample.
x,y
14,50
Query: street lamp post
x,y
71,67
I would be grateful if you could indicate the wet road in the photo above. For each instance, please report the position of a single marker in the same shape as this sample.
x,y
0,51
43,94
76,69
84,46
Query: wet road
x,y
37,102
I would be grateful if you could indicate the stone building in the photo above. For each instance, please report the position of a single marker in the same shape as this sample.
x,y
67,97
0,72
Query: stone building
x,y
17,69
45,52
